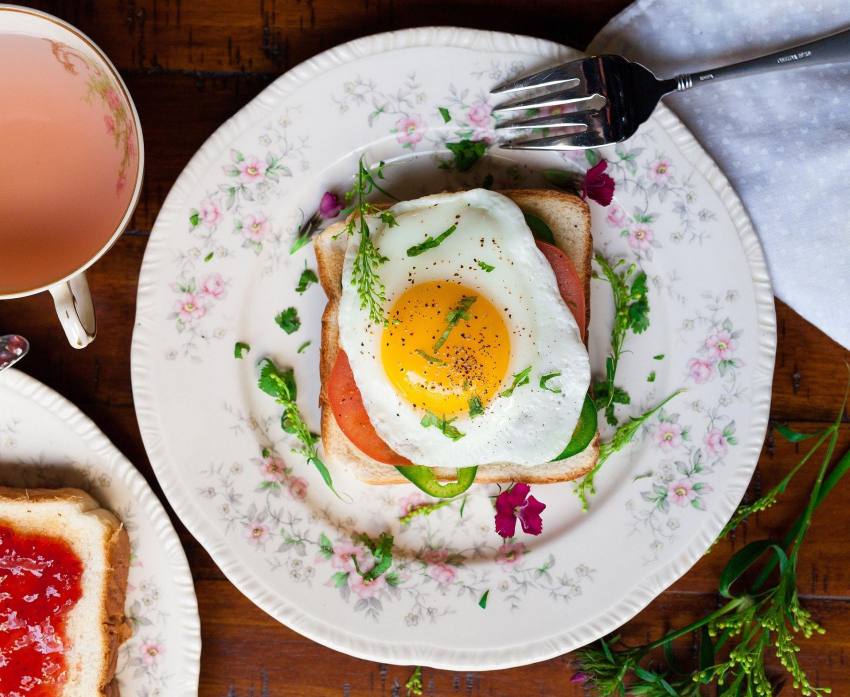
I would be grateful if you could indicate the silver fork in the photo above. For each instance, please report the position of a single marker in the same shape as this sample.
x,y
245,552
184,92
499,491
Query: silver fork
x,y
631,92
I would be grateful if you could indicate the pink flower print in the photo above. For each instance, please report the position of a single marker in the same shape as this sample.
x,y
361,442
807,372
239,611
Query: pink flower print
x,y
515,503
659,171
716,444
343,554
131,145
298,489
256,533
209,212
214,286
616,216
113,99
329,207
701,370
409,503
254,227
408,129
668,436
640,235
442,574
435,556
682,492
509,555
479,114
151,653
110,124
273,469
251,169
367,589
721,345
190,307
120,184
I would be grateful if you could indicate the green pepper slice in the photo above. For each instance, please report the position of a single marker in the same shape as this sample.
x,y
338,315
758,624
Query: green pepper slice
x,y
424,478
584,432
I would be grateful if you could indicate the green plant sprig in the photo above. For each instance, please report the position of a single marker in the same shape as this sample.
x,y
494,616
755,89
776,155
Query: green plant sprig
x,y
756,622
621,439
631,308
370,290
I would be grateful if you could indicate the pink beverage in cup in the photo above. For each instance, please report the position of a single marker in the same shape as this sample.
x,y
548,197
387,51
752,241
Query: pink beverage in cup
x,y
70,161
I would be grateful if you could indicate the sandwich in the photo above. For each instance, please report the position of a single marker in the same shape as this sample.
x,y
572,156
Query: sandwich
x,y
64,562
479,371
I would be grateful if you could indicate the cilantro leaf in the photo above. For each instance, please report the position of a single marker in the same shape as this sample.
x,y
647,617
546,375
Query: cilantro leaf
x,y
467,153
431,419
382,553
388,218
475,406
520,378
303,346
288,320
445,114
308,278
483,602
239,348
461,312
430,243
428,357
485,266
545,378
659,357
651,377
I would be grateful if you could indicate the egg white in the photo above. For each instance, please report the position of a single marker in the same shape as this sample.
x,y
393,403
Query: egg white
x,y
533,425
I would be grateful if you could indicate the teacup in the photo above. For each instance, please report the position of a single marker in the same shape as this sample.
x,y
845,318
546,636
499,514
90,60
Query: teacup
x,y
71,165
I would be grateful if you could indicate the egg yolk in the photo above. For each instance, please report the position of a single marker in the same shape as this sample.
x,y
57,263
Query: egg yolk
x,y
442,371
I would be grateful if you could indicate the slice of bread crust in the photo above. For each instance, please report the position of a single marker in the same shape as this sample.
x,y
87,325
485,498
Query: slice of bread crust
x,y
95,626
569,219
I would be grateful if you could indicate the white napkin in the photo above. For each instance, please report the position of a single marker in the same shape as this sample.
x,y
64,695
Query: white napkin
x,y
782,138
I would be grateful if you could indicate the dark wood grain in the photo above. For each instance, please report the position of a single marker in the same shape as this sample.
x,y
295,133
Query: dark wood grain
x,y
190,66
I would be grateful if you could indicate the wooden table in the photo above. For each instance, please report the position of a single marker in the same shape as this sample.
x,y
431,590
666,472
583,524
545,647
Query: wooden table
x,y
190,66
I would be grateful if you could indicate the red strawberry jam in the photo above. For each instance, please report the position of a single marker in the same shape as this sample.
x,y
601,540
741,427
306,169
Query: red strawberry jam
x,y
39,584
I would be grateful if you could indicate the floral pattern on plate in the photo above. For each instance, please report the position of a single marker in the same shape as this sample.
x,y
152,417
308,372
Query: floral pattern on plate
x,y
264,513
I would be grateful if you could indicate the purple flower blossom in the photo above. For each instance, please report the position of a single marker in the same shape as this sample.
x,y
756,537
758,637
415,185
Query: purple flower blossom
x,y
598,186
515,503
329,206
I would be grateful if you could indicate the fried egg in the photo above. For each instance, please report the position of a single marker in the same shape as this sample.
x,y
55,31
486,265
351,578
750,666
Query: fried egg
x,y
481,361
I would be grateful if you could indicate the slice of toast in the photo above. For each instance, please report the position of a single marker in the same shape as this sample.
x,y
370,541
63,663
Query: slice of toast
x,y
569,219
95,625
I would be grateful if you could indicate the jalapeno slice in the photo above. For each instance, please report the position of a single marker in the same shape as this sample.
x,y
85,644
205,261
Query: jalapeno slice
x,y
584,431
424,478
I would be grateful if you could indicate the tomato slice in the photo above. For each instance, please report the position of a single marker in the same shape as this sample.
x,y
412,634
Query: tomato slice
x,y
568,282
345,399
346,403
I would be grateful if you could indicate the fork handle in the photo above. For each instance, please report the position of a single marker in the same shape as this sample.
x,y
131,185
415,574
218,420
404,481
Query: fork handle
x,y
830,49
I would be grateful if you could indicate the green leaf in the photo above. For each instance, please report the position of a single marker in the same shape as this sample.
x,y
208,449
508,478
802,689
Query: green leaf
x,y
381,553
467,153
592,157
651,377
388,218
671,659
706,649
431,419
485,266
430,243
659,357
520,378
308,278
475,406
794,436
483,602
744,559
539,228
288,320
568,181
239,348
209,256
428,357
278,383
545,378
455,315
194,218
445,114
303,346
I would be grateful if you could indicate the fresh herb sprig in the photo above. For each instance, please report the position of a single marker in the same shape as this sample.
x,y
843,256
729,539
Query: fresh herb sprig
x,y
753,623
520,378
382,554
461,312
443,424
427,509
430,243
631,307
621,439
280,384
370,290
414,684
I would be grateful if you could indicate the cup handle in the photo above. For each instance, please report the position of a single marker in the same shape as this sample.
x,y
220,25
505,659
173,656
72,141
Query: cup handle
x,y
76,310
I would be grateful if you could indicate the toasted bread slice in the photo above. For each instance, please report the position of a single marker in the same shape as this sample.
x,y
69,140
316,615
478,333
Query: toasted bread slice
x,y
95,625
569,219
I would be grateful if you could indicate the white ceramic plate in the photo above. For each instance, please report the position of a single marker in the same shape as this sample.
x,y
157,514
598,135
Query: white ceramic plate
x,y
45,441
217,270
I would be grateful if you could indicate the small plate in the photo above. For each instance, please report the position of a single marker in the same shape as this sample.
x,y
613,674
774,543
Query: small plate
x,y
45,441
217,270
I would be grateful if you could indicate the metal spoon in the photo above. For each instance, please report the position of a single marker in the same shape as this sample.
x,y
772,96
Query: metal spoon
x,y
12,349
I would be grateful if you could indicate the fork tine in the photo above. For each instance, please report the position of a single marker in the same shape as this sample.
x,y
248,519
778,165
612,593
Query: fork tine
x,y
550,76
577,94
575,118
585,140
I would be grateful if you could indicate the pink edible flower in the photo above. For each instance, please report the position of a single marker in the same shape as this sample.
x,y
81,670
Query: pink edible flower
x,y
329,206
598,186
515,503
580,678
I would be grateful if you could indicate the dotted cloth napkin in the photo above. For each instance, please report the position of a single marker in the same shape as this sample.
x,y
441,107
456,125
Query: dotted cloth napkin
x,y
783,138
